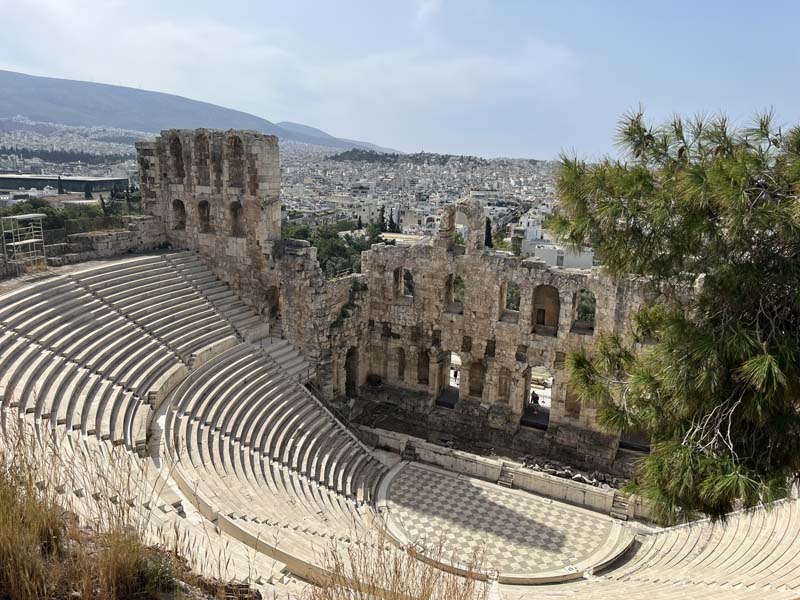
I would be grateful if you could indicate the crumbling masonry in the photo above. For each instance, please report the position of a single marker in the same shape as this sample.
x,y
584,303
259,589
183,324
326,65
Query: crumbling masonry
x,y
389,335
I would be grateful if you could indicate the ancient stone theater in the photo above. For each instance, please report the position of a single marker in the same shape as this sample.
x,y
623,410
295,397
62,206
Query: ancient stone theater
x,y
267,414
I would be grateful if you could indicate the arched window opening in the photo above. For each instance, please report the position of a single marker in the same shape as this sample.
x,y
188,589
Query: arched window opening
x,y
235,162
460,222
237,228
538,398
584,309
204,214
509,302
504,386
476,376
454,294
401,364
202,153
423,367
178,215
512,296
176,154
546,308
408,283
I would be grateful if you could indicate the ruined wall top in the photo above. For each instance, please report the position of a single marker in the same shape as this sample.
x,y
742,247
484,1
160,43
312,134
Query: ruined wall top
x,y
475,218
193,177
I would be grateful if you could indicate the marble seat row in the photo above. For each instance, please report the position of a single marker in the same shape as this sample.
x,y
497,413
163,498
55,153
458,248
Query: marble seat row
x,y
258,449
751,548
754,554
156,298
36,381
95,478
225,302
241,403
88,349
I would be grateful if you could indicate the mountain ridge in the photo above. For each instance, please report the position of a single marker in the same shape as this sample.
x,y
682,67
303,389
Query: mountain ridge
x,y
83,103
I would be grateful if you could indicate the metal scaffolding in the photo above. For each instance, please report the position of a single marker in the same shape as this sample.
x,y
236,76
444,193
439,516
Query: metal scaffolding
x,y
23,242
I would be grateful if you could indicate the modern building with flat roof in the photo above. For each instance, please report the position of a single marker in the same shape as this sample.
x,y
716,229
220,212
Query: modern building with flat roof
x,y
16,181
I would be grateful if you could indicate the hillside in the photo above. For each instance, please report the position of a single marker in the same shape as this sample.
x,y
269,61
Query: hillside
x,y
82,103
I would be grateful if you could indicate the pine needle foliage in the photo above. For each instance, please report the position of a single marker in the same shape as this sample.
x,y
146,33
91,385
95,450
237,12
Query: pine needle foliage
x,y
709,215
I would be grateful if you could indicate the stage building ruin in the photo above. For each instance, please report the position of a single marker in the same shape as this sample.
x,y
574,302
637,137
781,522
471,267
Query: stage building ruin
x,y
451,339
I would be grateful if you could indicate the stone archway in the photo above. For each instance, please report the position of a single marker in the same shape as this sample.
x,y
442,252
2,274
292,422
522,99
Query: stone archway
x,y
546,310
539,386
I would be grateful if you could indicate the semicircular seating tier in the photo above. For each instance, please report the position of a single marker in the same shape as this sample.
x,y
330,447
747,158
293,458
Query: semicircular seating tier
x,y
754,554
140,377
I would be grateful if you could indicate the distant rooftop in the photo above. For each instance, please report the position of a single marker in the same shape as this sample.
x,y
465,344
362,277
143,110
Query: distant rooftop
x,y
26,217
56,176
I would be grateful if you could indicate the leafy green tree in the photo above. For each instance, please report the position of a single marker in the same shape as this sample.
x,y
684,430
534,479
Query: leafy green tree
x,y
336,253
499,242
291,231
709,215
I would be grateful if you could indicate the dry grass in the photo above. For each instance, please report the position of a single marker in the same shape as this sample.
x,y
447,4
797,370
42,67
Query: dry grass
x,y
69,527
72,526
373,571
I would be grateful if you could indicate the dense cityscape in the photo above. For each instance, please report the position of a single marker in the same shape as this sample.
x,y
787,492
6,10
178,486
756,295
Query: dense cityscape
x,y
321,186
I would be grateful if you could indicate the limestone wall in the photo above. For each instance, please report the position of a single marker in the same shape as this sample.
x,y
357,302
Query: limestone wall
x,y
411,337
489,469
397,326
218,193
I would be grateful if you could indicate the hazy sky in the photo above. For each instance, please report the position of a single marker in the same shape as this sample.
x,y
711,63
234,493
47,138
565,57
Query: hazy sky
x,y
494,78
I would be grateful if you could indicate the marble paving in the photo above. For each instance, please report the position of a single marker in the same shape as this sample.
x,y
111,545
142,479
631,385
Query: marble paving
x,y
510,531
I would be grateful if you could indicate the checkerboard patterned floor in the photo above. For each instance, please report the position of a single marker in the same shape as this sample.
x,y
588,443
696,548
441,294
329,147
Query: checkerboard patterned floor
x,y
511,532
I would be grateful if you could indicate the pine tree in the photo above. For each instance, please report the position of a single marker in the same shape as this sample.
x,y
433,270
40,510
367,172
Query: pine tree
x,y
488,242
392,226
60,186
382,220
359,224
709,215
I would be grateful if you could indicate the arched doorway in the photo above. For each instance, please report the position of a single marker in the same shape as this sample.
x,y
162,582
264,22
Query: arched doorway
x,y
351,373
546,308
448,396
538,398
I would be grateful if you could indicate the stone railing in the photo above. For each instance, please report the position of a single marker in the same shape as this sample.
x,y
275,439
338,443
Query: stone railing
x,y
489,469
